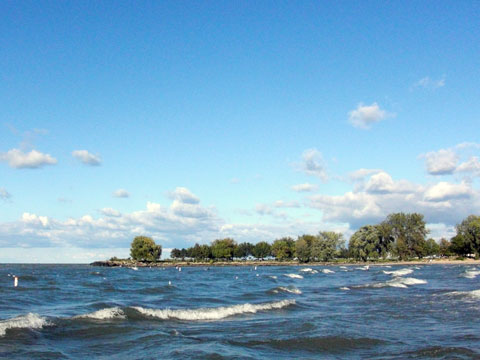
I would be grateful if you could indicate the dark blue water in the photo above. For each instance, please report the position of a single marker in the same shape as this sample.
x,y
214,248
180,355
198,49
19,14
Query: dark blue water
x,y
79,311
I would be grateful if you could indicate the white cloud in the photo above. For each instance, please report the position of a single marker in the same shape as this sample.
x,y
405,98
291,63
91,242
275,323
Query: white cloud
x,y
34,159
446,203
263,209
360,174
87,158
121,193
4,194
444,191
186,223
428,83
313,164
441,162
366,115
470,166
183,195
307,187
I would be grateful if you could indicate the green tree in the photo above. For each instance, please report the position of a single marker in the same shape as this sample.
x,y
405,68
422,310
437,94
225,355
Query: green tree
x,y
326,245
175,253
283,248
223,248
243,250
431,248
409,232
469,230
262,250
370,242
143,248
460,246
444,247
303,246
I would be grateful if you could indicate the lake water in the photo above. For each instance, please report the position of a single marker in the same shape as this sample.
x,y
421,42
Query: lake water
x,y
398,312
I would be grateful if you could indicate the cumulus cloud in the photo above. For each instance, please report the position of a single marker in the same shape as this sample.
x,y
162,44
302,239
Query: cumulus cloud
x,y
180,222
263,209
381,195
87,158
366,115
34,159
4,194
472,165
441,162
313,164
183,195
360,174
446,191
428,83
304,187
121,193
286,204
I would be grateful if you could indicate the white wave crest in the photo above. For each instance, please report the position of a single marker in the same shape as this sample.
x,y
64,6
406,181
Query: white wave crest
x,y
30,321
400,283
327,271
400,272
103,314
294,276
212,313
309,270
273,276
289,289
345,288
475,294
471,274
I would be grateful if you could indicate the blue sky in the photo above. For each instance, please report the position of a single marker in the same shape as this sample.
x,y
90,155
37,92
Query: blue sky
x,y
193,121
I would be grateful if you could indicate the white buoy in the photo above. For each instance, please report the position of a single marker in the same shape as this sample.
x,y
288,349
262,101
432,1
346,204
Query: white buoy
x,y
15,281
257,274
179,269
236,277
255,268
169,283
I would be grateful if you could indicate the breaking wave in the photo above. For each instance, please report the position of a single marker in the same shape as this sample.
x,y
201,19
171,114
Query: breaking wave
x,y
309,270
103,314
400,272
212,313
288,289
474,294
294,276
398,282
28,321
471,274
327,271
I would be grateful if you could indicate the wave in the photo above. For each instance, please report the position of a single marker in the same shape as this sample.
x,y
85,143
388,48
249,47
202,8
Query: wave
x,y
471,274
400,272
211,313
309,270
398,282
294,276
103,314
344,288
288,289
474,294
28,321
327,271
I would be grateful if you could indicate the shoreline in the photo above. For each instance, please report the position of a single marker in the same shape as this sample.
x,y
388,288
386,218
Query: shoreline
x,y
162,264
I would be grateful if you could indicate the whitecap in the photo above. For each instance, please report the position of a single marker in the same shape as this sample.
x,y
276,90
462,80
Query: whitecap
x,y
30,321
471,274
294,276
288,289
309,270
400,282
104,314
327,271
273,276
400,272
364,268
212,313
344,288
475,294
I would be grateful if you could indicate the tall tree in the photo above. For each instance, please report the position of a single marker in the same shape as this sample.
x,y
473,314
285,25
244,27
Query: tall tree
x,y
143,248
283,248
409,232
469,230
262,250
223,248
303,246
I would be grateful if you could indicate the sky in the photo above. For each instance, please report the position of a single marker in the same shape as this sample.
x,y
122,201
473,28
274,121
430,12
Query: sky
x,y
192,121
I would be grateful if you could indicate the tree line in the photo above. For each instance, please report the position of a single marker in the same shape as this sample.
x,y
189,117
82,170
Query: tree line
x,y
400,235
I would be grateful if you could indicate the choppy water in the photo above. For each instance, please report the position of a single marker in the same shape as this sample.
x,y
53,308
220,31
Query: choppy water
x,y
79,311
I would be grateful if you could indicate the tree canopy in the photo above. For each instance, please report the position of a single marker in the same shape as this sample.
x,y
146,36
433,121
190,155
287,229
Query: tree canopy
x,y
143,248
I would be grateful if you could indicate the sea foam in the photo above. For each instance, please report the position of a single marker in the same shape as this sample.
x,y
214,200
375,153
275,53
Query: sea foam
x,y
294,276
327,271
400,272
309,270
212,313
289,289
471,274
28,321
104,314
400,282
